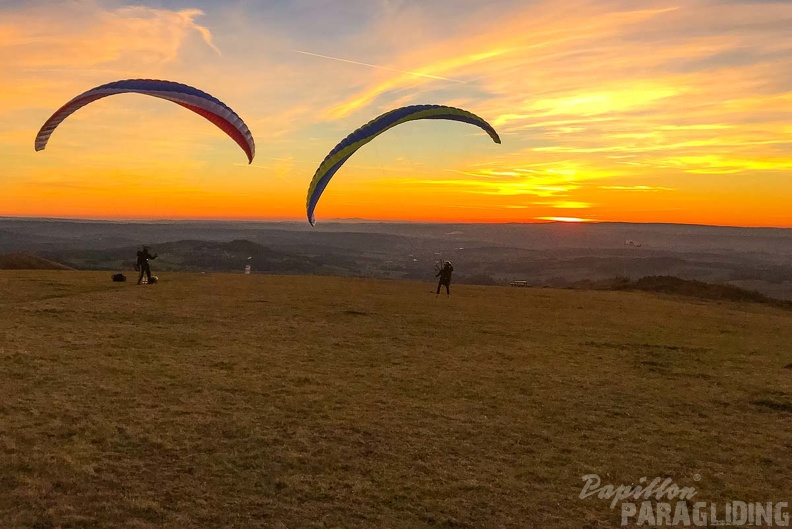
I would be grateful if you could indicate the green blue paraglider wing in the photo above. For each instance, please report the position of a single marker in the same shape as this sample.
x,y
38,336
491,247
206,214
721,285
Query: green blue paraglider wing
x,y
191,98
374,128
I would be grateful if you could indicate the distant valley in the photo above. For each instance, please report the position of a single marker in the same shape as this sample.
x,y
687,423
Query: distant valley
x,y
552,254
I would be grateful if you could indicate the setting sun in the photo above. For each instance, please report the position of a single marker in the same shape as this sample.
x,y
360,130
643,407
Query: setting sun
x,y
563,219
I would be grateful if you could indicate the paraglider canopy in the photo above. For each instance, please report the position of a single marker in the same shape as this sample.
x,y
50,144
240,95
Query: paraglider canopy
x,y
191,98
349,145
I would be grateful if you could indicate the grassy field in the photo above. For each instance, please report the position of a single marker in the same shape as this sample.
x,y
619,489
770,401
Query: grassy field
x,y
231,401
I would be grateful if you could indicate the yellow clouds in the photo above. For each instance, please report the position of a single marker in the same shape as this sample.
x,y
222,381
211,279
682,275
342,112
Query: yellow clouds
x,y
539,179
720,164
619,98
565,204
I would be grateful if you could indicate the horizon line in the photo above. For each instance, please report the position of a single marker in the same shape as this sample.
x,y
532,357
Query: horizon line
x,y
357,220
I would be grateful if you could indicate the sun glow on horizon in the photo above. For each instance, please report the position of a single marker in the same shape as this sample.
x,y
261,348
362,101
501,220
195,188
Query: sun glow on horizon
x,y
564,219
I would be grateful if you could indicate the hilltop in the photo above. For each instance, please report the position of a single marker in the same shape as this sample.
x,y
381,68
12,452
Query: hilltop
x,y
219,400
196,256
684,287
25,261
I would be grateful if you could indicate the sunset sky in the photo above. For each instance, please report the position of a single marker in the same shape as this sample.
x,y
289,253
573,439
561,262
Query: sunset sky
x,y
637,111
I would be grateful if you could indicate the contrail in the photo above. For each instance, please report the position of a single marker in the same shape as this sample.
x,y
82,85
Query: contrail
x,y
417,74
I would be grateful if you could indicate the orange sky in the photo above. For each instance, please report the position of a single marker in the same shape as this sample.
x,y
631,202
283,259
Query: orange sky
x,y
608,110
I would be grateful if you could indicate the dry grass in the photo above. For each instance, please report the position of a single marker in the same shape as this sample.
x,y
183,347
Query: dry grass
x,y
298,402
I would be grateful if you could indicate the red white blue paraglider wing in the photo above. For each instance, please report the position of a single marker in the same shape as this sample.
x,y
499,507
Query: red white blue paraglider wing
x,y
191,98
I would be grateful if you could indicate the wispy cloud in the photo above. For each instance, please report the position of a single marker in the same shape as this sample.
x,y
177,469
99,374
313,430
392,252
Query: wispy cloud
x,y
348,61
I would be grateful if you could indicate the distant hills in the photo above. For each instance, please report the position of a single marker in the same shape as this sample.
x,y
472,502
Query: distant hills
x,y
551,254
195,256
25,261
